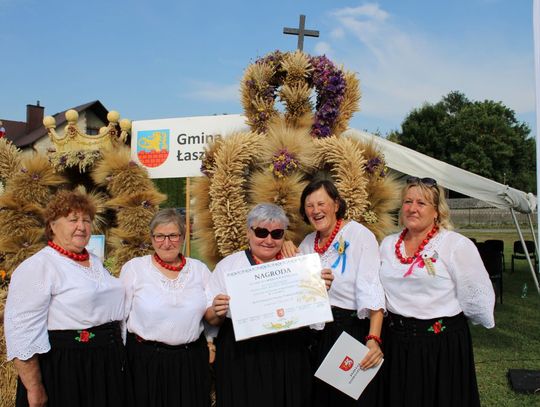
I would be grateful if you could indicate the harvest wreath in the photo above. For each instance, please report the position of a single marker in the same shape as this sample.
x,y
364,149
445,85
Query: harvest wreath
x,y
290,77
285,150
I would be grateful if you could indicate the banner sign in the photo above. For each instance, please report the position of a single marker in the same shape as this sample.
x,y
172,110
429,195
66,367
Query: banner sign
x,y
174,148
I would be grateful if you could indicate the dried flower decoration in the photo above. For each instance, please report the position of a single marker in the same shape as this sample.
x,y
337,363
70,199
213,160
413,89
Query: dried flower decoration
x,y
330,84
283,163
376,166
289,77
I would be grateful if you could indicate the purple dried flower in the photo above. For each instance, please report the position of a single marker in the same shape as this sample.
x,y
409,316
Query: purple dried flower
x,y
330,84
283,163
376,166
372,164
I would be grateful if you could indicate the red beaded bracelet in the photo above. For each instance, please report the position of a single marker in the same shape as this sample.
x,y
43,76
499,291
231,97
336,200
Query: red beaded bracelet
x,y
375,338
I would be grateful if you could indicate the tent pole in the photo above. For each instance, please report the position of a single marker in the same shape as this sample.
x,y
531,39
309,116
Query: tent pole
x,y
533,232
536,45
533,271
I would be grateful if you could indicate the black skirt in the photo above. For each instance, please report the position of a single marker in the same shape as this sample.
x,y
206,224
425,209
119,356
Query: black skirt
x,y
429,362
323,393
266,371
165,375
84,369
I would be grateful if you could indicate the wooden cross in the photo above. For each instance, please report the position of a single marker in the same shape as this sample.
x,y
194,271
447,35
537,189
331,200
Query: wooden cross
x,y
301,32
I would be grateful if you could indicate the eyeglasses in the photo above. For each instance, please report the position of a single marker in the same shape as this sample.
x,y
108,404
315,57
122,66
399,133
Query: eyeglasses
x,y
262,233
428,182
173,237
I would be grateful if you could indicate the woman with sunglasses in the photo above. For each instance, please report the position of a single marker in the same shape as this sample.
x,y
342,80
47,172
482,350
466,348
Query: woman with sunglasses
x,y
271,370
434,280
350,251
165,306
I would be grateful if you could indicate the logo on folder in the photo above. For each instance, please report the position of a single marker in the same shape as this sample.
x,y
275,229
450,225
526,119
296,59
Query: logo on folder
x,y
346,364
280,312
153,147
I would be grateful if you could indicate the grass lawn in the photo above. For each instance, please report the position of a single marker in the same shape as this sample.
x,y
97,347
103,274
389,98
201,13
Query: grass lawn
x,y
514,343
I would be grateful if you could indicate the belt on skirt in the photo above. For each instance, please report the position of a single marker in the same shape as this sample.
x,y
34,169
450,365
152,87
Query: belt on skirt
x,y
345,317
408,326
160,345
96,336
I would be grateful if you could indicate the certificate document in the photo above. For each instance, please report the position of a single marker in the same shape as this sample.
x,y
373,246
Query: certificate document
x,y
341,367
277,296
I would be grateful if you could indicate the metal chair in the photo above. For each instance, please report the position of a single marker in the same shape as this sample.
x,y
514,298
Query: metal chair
x,y
498,245
519,253
493,261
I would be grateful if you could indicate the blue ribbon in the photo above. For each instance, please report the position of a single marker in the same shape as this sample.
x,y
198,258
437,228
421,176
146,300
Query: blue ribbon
x,y
341,247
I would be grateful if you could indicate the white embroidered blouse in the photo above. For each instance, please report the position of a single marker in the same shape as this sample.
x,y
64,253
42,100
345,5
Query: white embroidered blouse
x,y
356,284
235,261
49,291
162,309
455,281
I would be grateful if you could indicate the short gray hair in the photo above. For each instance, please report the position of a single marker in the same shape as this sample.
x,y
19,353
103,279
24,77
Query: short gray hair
x,y
168,215
267,212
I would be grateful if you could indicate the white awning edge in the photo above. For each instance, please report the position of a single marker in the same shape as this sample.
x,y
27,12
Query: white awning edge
x,y
413,163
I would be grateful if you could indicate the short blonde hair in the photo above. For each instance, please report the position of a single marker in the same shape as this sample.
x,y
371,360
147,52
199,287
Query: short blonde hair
x,y
434,194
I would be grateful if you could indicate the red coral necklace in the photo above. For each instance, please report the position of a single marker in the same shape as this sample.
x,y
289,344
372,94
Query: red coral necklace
x,y
83,256
330,239
162,263
409,260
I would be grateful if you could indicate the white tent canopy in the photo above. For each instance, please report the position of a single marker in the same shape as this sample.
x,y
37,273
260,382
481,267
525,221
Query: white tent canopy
x,y
411,162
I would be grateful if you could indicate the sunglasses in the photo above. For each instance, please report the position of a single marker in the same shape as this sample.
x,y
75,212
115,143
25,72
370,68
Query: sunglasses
x,y
262,233
428,182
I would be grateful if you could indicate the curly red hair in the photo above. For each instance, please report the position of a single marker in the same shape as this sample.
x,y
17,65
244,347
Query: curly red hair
x,y
65,202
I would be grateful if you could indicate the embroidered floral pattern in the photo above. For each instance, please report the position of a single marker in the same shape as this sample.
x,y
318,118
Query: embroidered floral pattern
x,y
437,327
84,336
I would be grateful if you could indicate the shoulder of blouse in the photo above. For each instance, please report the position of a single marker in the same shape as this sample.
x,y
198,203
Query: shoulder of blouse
x,y
308,238
231,258
389,238
136,260
356,227
42,260
456,241
196,263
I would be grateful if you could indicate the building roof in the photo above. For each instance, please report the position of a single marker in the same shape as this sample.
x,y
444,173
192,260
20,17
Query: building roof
x,y
16,131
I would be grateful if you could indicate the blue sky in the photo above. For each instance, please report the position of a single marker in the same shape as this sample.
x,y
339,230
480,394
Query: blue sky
x,y
160,59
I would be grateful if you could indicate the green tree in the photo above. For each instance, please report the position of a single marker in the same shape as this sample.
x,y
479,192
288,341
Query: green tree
x,y
175,189
481,137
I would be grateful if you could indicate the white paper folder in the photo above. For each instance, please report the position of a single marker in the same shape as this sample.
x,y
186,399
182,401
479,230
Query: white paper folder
x,y
341,367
